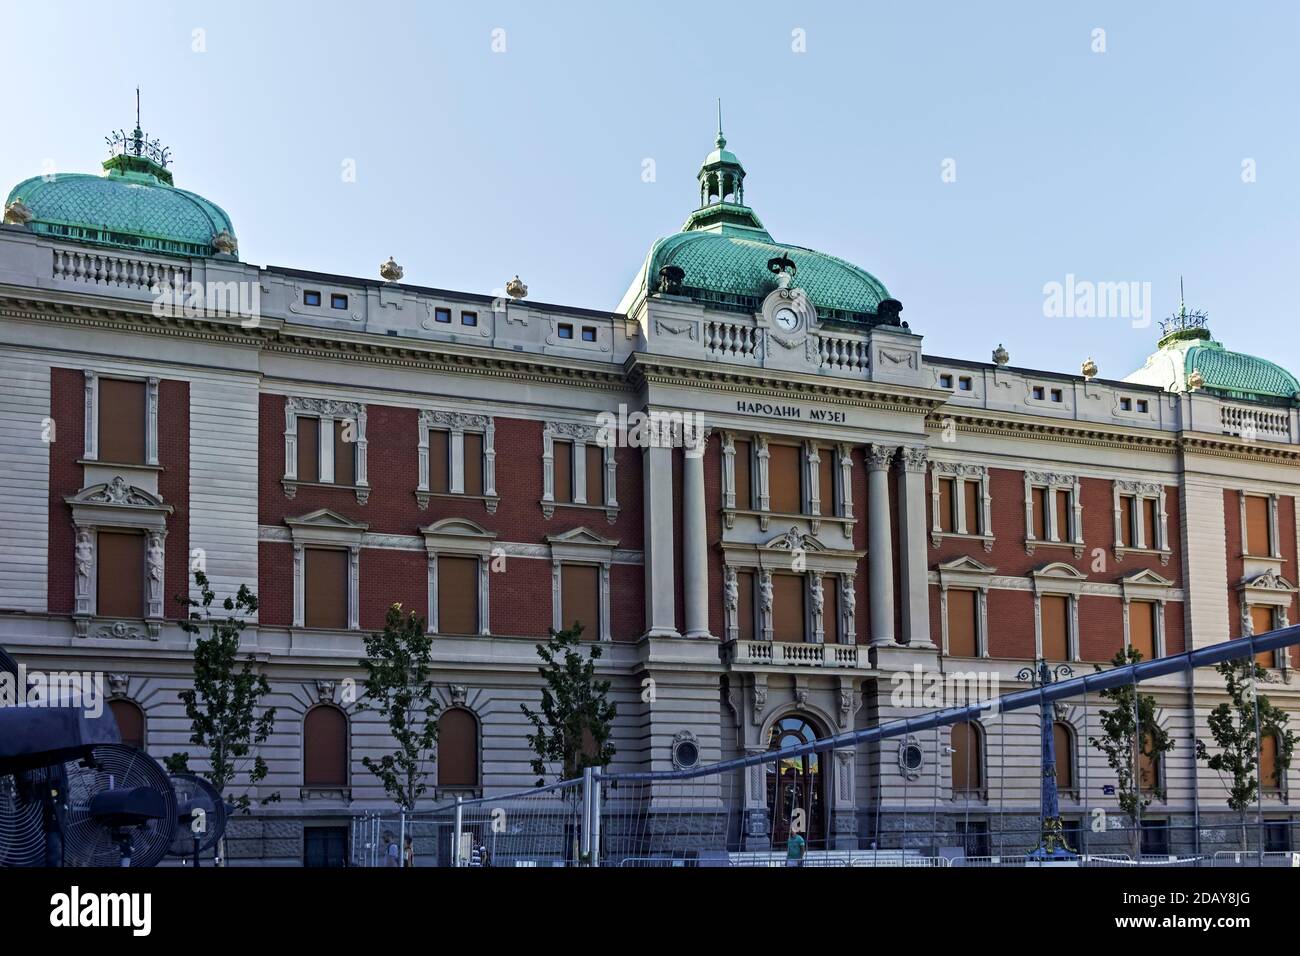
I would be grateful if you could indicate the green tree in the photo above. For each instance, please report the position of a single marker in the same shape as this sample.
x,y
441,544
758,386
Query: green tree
x,y
224,705
574,725
399,688
1233,726
1118,741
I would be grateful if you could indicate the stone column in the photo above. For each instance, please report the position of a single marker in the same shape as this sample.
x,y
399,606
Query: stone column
x,y
695,548
880,552
660,588
915,585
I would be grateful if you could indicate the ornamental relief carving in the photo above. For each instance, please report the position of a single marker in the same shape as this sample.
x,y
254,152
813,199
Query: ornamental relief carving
x,y
326,407
431,418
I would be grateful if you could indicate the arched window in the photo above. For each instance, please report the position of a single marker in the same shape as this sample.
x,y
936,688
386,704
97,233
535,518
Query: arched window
x,y
1269,781
130,721
325,747
457,749
1063,743
967,760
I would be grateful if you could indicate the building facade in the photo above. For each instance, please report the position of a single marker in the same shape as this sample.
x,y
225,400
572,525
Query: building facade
x,y
834,507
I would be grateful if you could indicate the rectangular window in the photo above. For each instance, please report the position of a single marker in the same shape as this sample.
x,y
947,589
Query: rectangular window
x,y
588,333
119,570
1062,502
580,598
826,480
1126,404
1142,405
308,448
469,318
595,474
830,611
1155,833
744,463
345,453
745,606
947,522
338,301
565,331
562,455
783,472
1126,525
442,315
1258,538
458,580
311,297
473,484
325,588
1039,508
1056,395
121,437
965,384
945,381
971,502
1038,393
1261,622
439,461
1055,612
962,608
1142,628
788,608
1149,523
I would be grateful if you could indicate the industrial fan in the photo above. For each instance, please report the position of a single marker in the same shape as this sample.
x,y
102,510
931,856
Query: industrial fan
x,y
200,816
120,809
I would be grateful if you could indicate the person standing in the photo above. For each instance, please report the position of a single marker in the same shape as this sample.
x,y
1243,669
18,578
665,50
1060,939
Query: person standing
x,y
392,853
408,853
794,849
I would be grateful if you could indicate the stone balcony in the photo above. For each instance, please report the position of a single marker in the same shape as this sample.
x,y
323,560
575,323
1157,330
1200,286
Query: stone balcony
x,y
783,654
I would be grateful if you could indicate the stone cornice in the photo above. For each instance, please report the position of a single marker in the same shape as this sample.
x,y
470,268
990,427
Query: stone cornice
x,y
274,335
643,368
989,422
1226,446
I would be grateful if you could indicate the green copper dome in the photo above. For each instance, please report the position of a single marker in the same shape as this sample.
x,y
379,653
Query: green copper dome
x,y
1187,358
724,251
132,206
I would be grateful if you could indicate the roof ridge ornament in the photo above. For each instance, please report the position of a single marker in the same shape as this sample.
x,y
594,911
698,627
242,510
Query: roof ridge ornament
x,y
136,152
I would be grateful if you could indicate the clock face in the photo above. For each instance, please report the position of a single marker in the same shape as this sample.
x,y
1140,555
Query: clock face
x,y
786,319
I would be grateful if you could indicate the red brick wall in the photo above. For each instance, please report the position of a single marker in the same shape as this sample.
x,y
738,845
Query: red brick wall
x,y
174,486
713,526
520,602
1011,624
1286,529
1101,621
67,408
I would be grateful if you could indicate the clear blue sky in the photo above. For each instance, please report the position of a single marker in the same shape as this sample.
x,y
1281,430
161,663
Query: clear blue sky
x,y
473,165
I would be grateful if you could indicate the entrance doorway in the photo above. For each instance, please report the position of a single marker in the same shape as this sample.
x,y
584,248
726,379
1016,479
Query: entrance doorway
x,y
796,786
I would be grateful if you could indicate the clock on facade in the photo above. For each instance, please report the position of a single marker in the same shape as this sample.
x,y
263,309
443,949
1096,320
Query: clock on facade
x,y
786,319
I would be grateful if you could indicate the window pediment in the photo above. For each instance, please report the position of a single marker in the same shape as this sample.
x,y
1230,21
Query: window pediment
x,y
458,534
118,504
581,544
1058,577
1145,585
324,526
965,571
1267,582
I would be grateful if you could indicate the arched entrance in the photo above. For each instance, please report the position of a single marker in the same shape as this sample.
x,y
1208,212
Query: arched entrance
x,y
796,786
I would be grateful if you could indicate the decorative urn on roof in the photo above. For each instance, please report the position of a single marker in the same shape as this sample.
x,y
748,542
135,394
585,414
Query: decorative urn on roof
x,y
1195,379
1089,368
390,271
1000,355
225,243
516,289
17,213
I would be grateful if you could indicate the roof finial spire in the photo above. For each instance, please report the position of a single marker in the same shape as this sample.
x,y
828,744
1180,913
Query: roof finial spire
x,y
1182,302
721,140
137,107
